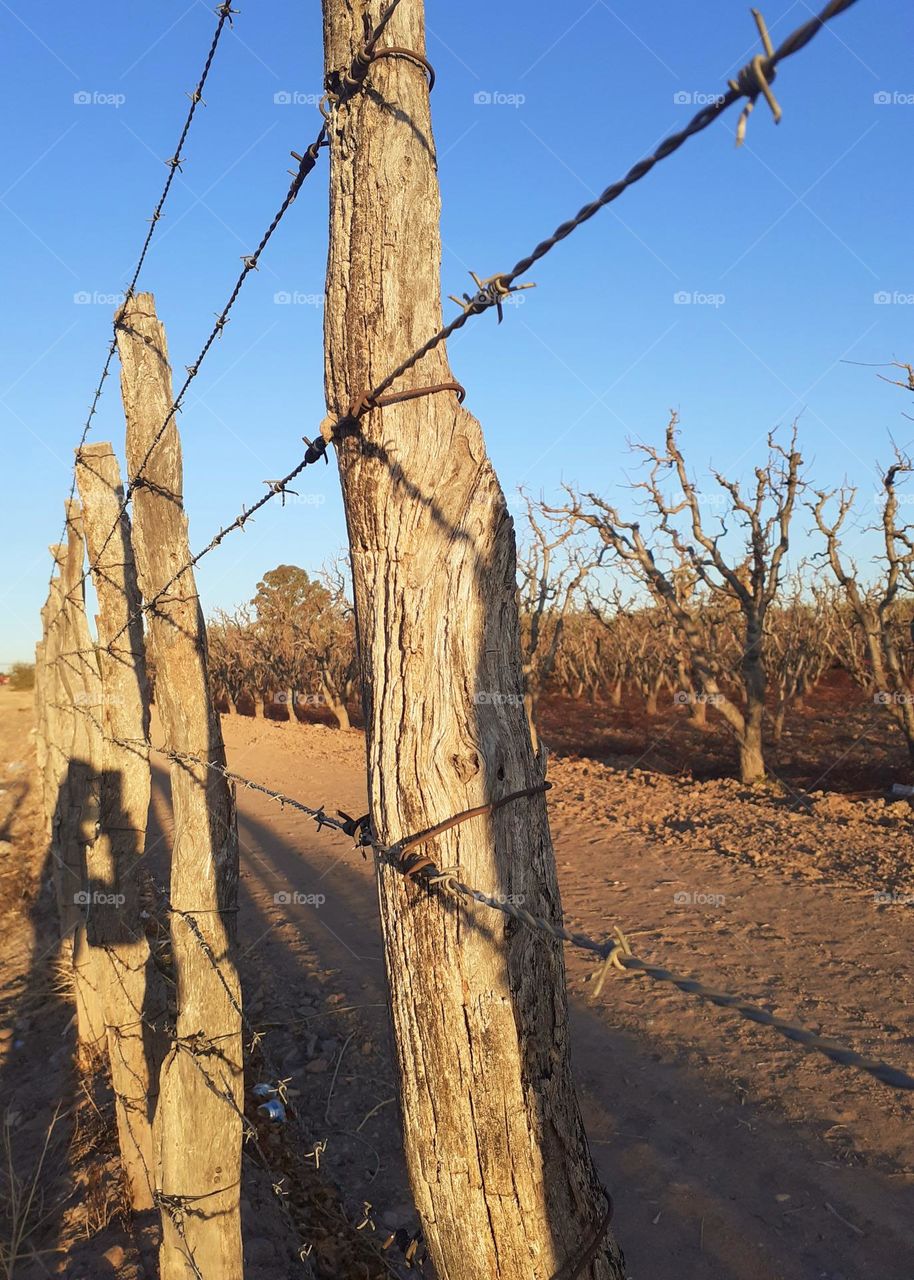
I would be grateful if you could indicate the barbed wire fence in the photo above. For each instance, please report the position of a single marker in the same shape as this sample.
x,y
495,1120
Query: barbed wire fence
x,y
225,14
408,855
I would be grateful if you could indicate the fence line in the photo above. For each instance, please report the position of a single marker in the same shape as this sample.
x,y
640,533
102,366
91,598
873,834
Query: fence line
x,y
751,82
405,854
614,952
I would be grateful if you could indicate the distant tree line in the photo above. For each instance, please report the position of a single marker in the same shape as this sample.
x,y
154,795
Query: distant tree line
x,y
695,600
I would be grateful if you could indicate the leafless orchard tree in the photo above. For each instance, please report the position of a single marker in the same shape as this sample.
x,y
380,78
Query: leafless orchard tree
x,y
234,657
330,635
551,568
882,662
590,663
799,646
747,578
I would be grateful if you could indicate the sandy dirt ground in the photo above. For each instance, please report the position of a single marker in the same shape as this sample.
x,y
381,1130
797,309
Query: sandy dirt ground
x,y
730,1153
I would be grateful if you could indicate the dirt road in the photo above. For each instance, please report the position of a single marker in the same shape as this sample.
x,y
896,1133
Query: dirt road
x,y
730,1153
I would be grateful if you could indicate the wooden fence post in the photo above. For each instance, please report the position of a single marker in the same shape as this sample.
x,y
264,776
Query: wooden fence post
x,y
498,1159
134,996
80,686
198,1122
48,747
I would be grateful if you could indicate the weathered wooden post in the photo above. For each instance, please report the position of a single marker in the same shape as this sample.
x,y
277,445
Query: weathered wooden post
x,y
498,1159
47,717
133,994
197,1131
80,686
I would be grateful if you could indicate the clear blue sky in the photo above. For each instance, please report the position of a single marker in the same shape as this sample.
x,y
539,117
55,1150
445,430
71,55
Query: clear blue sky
x,y
799,231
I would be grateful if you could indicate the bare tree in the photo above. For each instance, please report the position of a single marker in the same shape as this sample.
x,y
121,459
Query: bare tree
x,y
799,647
883,664
585,665
551,567
233,656
748,583
330,638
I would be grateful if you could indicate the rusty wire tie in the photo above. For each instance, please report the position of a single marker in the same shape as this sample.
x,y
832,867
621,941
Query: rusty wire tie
x,y
592,1249
174,1203
413,864
366,402
353,77
755,79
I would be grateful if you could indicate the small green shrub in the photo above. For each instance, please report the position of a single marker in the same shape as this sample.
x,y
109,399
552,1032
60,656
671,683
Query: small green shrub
x,y
22,675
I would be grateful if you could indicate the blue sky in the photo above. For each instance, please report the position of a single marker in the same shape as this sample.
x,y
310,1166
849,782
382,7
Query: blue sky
x,y
795,251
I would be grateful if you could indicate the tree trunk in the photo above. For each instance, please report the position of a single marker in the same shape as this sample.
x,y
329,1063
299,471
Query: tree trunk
x,y
780,715
698,710
133,994
616,695
197,1132
751,755
496,1150
335,704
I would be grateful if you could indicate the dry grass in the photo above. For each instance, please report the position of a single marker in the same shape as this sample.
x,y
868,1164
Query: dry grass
x,y
22,1200
95,1157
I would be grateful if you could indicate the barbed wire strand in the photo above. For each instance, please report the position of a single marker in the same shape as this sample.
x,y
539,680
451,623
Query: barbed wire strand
x,y
306,162
615,952
226,13
751,81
